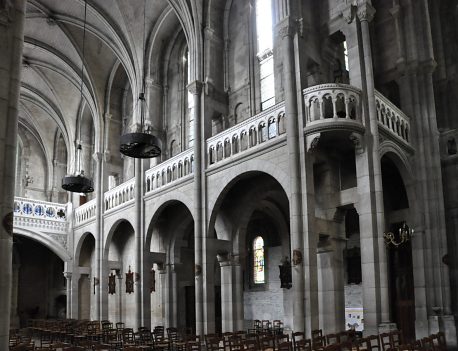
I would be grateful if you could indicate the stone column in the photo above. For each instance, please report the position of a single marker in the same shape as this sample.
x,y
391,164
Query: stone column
x,y
331,286
68,277
228,314
287,30
11,41
101,291
120,314
74,295
161,270
239,318
14,292
196,88
138,227
365,15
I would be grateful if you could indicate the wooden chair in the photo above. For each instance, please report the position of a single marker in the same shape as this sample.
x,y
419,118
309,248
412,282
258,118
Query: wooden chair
x,y
214,343
281,338
373,343
439,341
235,343
296,336
277,327
318,343
284,346
428,344
385,341
332,339
396,338
316,333
303,345
267,343
417,346
193,345
251,345
265,325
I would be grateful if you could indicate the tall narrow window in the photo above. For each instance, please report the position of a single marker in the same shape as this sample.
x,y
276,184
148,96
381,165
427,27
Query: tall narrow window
x,y
264,52
345,52
258,261
190,100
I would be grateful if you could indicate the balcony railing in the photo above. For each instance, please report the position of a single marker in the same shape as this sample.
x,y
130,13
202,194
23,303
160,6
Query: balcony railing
x,y
332,104
85,212
255,131
171,170
392,119
43,215
119,195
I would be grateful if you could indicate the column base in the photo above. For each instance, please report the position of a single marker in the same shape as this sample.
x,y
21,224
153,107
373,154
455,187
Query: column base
x,y
14,321
386,327
446,324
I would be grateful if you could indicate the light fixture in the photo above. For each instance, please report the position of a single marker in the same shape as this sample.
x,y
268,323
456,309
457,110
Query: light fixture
x,y
78,182
404,235
141,144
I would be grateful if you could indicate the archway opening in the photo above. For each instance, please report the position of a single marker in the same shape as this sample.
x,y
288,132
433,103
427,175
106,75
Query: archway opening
x,y
38,282
86,266
400,264
172,250
251,222
122,263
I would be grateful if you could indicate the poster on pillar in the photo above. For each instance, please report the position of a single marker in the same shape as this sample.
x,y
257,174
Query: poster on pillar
x,y
153,281
129,282
112,284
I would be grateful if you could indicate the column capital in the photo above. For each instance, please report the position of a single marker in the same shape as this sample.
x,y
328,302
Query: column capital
x,y
365,12
68,275
195,87
97,156
288,27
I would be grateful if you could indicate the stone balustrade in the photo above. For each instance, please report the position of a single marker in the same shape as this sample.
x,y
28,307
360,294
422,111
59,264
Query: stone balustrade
x,y
392,119
332,103
85,212
255,131
119,195
47,216
169,171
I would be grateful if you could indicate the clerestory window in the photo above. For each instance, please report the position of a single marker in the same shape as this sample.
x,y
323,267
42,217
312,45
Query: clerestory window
x,y
265,52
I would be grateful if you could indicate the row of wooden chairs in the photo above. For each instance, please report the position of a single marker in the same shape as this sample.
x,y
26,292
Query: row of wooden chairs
x,y
266,326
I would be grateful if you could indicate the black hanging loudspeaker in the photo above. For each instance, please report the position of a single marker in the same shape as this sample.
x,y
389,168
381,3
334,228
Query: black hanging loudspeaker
x,y
77,183
140,144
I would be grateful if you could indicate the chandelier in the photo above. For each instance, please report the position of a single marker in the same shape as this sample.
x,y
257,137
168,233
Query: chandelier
x,y
141,144
78,182
403,236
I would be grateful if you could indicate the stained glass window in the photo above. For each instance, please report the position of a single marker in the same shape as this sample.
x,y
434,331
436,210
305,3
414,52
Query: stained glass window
x,y
258,260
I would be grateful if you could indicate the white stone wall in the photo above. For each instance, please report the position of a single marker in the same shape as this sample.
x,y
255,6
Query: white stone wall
x,y
269,303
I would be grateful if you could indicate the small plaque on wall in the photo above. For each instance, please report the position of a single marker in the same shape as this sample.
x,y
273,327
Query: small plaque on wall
x,y
112,284
129,282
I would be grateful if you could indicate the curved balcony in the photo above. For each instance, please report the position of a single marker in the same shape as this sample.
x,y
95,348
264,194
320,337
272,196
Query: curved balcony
x,y
333,107
391,119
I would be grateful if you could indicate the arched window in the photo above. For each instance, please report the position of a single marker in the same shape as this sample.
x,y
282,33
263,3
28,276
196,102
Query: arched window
x,y
258,261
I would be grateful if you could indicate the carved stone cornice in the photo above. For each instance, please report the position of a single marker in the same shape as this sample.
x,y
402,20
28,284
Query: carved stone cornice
x,y
365,12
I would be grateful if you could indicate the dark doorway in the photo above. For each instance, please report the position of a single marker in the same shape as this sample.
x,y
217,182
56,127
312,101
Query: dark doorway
x,y
402,298
190,307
